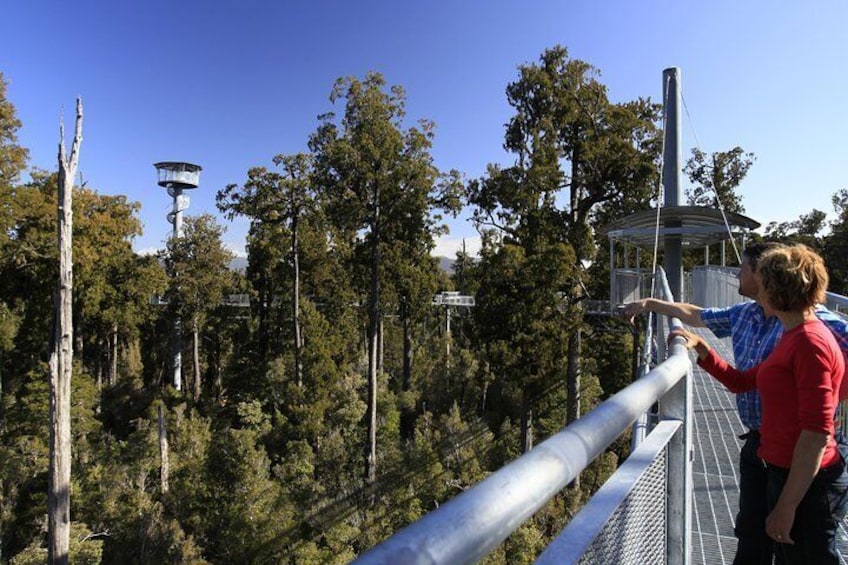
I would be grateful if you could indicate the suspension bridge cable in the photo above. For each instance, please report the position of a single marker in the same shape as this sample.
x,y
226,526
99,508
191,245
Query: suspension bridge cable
x,y
660,194
715,190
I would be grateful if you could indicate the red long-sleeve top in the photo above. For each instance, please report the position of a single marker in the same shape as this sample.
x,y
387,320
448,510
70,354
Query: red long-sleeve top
x,y
799,385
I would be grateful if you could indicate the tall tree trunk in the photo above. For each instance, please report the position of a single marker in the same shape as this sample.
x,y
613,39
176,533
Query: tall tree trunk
x,y
484,397
526,425
263,333
79,343
408,416
61,361
380,343
373,334
573,364
113,356
219,384
196,357
164,467
177,349
573,384
573,367
99,371
573,377
298,339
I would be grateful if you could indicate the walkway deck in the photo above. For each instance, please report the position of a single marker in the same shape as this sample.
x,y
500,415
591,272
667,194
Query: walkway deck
x,y
715,473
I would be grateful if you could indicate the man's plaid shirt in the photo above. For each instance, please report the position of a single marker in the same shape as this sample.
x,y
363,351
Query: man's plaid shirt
x,y
754,336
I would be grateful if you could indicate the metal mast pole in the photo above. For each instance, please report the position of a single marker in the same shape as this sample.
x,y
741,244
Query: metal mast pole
x,y
177,194
673,250
678,402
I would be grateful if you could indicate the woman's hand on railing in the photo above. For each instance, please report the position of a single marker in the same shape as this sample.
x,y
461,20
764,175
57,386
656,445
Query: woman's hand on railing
x,y
691,341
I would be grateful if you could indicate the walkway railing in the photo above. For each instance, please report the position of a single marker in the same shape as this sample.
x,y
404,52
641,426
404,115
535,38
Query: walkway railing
x,y
837,303
468,527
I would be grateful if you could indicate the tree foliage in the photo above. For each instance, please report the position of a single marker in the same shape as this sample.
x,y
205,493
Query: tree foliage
x,y
717,177
580,160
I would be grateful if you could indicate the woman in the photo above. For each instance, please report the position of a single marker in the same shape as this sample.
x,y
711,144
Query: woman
x,y
799,382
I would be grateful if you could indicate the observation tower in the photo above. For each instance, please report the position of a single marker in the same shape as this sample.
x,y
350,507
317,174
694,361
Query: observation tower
x,y
175,177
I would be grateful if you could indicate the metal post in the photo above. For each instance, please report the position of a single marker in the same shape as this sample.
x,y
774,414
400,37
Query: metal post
x,y
177,194
447,336
614,299
677,405
672,159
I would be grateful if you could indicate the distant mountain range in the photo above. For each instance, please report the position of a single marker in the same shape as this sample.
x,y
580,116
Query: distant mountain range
x,y
239,264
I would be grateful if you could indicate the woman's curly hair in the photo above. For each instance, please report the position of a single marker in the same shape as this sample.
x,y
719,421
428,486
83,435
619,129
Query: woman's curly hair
x,y
792,277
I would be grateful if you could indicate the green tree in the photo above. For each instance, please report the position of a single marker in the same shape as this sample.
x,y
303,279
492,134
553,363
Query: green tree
x,y
580,160
113,284
13,157
718,176
835,248
806,229
377,184
242,514
198,264
28,262
13,160
270,197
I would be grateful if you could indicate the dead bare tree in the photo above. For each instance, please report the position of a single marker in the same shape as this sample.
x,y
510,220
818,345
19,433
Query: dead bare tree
x,y
61,359
164,468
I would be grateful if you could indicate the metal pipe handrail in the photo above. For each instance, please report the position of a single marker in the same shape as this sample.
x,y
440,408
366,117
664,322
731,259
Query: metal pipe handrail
x,y
471,525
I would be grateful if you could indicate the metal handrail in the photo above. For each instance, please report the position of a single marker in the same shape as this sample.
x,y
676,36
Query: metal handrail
x,y
837,303
640,427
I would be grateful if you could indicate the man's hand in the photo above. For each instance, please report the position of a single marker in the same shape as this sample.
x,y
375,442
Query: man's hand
x,y
630,310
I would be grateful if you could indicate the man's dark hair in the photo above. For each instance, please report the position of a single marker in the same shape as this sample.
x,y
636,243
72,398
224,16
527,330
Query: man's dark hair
x,y
754,251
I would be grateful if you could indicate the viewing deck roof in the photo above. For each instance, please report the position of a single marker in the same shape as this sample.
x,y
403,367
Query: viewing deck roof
x,y
697,225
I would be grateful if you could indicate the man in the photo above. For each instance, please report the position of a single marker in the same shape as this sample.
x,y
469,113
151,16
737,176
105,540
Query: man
x,y
753,336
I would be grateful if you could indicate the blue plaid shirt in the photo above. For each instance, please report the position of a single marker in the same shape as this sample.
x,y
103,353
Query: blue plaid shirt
x,y
754,336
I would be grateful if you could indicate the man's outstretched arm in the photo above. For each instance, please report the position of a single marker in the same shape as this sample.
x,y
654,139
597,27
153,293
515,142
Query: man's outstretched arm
x,y
689,314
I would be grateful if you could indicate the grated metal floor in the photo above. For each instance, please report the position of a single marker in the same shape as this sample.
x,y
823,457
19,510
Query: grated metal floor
x,y
716,485
715,474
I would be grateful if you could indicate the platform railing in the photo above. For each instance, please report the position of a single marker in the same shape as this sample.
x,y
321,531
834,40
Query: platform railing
x,y
471,525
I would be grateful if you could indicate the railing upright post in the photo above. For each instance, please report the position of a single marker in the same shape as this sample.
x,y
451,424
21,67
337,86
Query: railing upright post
x,y
677,405
614,298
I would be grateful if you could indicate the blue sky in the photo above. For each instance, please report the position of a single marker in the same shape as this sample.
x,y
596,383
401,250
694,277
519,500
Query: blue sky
x,y
228,85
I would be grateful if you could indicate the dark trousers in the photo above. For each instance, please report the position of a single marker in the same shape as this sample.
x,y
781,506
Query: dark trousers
x,y
754,547
817,517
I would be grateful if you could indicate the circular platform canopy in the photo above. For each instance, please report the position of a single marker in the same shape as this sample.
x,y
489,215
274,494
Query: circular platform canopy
x,y
697,226
177,174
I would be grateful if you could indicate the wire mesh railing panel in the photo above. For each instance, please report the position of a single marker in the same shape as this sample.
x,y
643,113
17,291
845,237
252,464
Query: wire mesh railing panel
x,y
631,285
626,520
715,287
636,531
